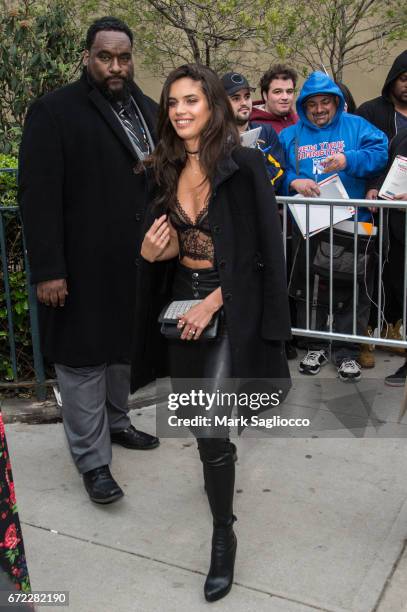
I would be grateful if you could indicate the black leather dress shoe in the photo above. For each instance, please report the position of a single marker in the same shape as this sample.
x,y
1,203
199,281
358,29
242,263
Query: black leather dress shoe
x,y
101,486
132,438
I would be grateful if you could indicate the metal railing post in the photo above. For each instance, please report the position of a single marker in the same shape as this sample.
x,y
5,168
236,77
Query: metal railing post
x,y
285,229
39,372
4,261
40,389
405,278
379,289
307,267
331,264
351,336
355,270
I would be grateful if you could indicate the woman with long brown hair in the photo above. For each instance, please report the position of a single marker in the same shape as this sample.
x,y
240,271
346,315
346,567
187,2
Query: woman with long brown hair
x,y
213,212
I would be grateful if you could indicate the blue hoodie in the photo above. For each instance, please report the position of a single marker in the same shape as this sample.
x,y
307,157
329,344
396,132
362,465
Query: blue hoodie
x,y
364,146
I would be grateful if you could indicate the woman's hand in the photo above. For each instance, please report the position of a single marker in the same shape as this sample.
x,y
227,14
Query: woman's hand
x,y
194,321
156,239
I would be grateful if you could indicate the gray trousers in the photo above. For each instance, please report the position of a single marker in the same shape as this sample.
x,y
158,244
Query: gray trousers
x,y
94,403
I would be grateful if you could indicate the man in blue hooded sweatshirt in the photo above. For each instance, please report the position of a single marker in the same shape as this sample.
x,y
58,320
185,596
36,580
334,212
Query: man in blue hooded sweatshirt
x,y
325,141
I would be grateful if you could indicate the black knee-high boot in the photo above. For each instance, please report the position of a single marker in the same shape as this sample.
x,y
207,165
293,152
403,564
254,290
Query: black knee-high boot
x,y
218,460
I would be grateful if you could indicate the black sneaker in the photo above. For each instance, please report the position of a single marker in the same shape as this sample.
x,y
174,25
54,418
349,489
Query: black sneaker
x,y
398,379
312,362
349,370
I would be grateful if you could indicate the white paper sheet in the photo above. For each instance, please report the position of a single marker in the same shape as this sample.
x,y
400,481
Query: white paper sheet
x,y
395,182
250,138
319,214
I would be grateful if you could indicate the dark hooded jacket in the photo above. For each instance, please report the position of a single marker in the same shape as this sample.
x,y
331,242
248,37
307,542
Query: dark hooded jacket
x,y
380,111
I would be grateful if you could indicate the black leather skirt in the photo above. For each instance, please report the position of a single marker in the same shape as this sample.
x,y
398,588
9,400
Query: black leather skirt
x,y
190,284
199,358
208,363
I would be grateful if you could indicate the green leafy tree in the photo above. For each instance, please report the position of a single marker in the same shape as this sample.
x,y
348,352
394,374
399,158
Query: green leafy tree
x,y
341,33
16,278
219,34
245,34
39,51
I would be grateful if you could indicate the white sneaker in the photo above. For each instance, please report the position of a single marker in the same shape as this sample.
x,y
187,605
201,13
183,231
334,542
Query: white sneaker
x,y
349,370
312,362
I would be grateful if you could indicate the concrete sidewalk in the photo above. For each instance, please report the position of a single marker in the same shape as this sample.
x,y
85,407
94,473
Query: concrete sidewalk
x,y
322,522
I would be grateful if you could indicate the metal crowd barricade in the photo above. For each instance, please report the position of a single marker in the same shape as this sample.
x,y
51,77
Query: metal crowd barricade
x,y
307,331
7,211
349,337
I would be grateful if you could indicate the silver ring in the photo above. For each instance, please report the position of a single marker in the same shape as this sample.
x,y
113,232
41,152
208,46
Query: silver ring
x,y
192,331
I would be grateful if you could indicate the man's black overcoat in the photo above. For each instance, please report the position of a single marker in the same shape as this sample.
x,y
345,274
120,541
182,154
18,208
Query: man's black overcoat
x,y
246,231
83,206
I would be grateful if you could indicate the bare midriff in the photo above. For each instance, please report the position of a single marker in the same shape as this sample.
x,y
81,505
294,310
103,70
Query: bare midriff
x,y
195,264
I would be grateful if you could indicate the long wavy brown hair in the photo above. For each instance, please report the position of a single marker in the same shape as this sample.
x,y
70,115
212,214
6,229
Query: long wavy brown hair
x,y
218,138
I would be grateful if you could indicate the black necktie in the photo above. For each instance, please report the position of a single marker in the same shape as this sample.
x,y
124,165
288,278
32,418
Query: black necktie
x,y
132,123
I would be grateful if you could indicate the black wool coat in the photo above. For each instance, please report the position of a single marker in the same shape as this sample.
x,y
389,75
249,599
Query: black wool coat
x,y
83,206
246,232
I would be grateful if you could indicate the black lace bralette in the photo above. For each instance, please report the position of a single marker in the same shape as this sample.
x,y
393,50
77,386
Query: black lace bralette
x,y
195,239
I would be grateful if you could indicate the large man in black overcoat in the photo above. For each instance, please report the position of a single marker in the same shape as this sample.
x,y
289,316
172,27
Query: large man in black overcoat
x,y
83,203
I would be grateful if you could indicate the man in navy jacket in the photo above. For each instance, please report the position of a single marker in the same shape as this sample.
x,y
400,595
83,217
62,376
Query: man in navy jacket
x,y
240,96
